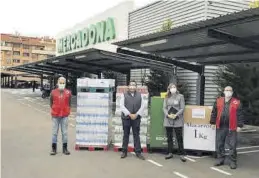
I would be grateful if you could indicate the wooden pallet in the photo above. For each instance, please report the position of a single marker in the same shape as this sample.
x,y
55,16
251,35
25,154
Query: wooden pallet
x,y
91,148
130,149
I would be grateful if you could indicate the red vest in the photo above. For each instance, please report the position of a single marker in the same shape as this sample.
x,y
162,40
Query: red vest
x,y
233,106
60,106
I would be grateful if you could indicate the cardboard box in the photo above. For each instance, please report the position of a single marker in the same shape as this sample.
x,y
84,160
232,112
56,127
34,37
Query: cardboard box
x,y
199,134
141,89
197,114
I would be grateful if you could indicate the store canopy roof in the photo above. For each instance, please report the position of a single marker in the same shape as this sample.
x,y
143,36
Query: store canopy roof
x,y
96,60
6,74
227,39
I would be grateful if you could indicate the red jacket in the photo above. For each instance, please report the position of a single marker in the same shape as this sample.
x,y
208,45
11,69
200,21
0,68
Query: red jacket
x,y
233,107
60,104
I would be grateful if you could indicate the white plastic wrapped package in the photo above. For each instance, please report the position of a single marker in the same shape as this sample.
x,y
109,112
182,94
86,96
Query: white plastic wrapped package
x,y
93,121
119,130
88,82
123,89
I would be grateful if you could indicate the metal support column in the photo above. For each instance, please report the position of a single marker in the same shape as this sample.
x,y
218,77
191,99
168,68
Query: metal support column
x,y
15,82
33,85
41,81
8,81
51,83
12,82
200,88
55,80
4,82
172,76
128,78
99,76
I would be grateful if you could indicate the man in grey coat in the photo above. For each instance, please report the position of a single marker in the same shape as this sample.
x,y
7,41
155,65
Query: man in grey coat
x,y
132,107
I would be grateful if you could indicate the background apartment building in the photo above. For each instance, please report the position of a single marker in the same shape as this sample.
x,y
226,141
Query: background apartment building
x,y
17,50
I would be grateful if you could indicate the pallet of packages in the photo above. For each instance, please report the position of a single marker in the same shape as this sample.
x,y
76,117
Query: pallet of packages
x,y
94,112
117,130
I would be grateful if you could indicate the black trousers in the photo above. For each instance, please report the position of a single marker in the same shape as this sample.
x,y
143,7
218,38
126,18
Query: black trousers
x,y
135,125
179,138
222,135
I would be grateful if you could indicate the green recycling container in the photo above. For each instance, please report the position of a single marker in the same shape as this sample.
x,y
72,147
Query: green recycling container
x,y
157,132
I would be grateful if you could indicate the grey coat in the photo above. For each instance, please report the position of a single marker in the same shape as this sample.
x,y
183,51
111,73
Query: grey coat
x,y
177,101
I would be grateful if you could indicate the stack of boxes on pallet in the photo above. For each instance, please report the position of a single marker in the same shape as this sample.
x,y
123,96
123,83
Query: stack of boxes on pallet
x,y
94,113
117,122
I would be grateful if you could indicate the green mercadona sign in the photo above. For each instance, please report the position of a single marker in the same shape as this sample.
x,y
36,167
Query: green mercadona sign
x,y
94,34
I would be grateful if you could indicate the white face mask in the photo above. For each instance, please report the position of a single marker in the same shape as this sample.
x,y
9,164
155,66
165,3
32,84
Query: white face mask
x,y
173,90
228,94
61,86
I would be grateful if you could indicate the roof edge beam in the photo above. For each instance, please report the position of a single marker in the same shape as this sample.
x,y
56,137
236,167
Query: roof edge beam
x,y
68,68
64,66
43,68
99,66
138,60
220,62
36,70
55,69
221,35
26,71
183,64
220,54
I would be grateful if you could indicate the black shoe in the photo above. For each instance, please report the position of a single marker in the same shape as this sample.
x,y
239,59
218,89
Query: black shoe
x,y
219,162
233,165
54,149
140,156
169,156
65,151
183,159
124,155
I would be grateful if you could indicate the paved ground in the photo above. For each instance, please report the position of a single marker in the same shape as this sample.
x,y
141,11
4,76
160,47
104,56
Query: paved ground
x,y
26,133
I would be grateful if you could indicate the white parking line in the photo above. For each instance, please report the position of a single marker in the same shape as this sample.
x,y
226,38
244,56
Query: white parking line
x,y
41,111
197,157
245,131
243,148
221,171
155,163
34,108
192,160
72,125
245,152
180,175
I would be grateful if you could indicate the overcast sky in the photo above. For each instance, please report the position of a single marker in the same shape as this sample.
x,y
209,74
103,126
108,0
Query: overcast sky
x,y
48,17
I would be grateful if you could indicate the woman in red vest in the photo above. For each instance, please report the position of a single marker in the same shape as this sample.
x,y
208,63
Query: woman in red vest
x,y
60,103
228,116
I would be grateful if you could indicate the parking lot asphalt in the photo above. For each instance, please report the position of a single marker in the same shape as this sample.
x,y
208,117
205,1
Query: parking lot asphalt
x,y
26,137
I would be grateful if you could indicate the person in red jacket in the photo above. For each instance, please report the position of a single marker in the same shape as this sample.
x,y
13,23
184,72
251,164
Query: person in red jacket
x,y
228,116
60,103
